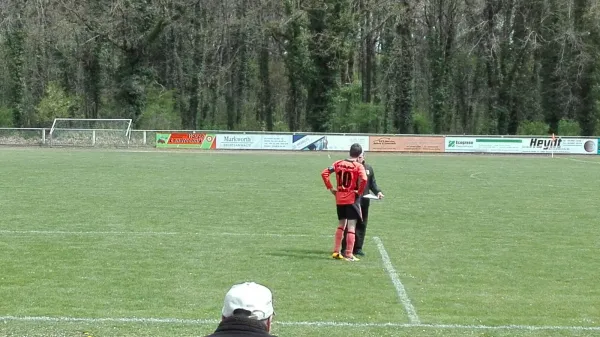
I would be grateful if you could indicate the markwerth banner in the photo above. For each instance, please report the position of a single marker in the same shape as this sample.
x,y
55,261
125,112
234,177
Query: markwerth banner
x,y
522,145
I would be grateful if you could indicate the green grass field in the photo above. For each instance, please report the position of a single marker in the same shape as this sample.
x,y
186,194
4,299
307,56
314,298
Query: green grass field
x,y
108,243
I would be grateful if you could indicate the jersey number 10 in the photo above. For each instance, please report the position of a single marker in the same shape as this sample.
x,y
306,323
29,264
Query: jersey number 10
x,y
344,179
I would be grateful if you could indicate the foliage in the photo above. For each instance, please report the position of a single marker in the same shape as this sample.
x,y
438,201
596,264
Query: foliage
x,y
569,128
351,114
159,111
476,66
421,124
6,117
57,103
533,128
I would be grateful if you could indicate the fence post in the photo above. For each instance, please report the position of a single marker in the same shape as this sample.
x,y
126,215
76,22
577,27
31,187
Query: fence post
x,y
43,136
144,142
93,137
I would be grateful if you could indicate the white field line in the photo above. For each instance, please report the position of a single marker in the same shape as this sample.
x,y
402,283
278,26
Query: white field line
x,y
475,175
317,324
387,263
42,232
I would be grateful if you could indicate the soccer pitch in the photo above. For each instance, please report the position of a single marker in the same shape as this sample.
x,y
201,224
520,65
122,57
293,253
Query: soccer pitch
x,y
108,243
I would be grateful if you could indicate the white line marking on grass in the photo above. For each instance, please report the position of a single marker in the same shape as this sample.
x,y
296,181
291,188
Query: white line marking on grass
x,y
109,319
317,324
157,233
475,175
387,263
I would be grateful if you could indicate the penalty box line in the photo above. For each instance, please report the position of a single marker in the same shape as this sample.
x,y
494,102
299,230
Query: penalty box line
x,y
400,290
306,323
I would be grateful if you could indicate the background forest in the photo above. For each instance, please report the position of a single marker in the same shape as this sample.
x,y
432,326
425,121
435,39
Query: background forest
x,y
384,66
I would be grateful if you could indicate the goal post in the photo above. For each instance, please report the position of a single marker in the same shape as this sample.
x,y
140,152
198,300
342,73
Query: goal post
x,y
88,132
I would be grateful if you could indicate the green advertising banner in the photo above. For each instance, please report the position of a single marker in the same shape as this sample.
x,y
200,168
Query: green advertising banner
x,y
186,140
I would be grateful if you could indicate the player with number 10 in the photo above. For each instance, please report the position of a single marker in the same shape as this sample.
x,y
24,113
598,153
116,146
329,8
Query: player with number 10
x,y
351,180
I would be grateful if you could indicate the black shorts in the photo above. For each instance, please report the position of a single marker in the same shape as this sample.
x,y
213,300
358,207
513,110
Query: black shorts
x,y
347,212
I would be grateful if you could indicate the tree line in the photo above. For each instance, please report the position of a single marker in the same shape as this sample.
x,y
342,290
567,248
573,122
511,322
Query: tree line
x,y
384,66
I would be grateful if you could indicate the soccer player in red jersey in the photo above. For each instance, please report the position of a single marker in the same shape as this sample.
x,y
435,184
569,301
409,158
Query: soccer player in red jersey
x,y
351,180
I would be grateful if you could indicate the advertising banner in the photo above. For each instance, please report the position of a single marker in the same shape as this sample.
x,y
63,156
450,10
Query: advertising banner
x,y
406,144
522,145
276,142
186,140
494,145
328,143
560,145
343,143
239,142
308,142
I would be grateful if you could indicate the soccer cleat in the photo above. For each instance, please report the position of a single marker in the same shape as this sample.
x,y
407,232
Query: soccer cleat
x,y
337,256
359,253
352,258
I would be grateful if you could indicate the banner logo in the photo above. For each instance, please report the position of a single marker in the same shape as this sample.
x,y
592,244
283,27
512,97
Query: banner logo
x,y
545,143
186,140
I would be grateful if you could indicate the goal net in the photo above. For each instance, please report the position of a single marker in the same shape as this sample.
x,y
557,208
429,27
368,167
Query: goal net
x,y
90,132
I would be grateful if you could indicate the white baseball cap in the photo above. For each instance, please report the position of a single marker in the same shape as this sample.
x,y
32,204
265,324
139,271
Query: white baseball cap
x,y
249,296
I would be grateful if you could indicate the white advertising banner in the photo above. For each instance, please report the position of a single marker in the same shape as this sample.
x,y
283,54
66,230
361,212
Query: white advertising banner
x,y
239,142
343,143
328,143
494,145
560,145
309,142
522,145
276,142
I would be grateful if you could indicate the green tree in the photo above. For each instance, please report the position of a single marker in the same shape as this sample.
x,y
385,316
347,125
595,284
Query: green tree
x,y
15,42
57,103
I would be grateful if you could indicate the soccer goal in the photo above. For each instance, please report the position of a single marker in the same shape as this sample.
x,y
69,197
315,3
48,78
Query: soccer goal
x,y
90,132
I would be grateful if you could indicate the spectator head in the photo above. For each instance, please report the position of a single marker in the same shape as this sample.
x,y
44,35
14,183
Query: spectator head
x,y
355,150
249,300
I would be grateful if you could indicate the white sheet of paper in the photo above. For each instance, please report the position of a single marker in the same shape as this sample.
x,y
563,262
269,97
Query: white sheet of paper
x,y
370,196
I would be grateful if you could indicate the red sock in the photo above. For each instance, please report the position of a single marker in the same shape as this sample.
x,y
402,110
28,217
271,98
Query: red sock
x,y
350,238
339,234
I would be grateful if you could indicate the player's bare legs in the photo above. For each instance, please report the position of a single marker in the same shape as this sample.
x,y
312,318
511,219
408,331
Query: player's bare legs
x,y
350,238
337,243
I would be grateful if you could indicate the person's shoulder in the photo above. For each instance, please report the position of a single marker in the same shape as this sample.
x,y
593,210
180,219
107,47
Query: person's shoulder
x,y
368,167
247,333
334,166
237,333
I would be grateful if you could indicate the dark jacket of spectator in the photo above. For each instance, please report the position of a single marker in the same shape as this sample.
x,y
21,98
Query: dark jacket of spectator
x,y
237,326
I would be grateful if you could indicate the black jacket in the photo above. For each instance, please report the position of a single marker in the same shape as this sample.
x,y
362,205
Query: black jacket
x,y
241,327
371,184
